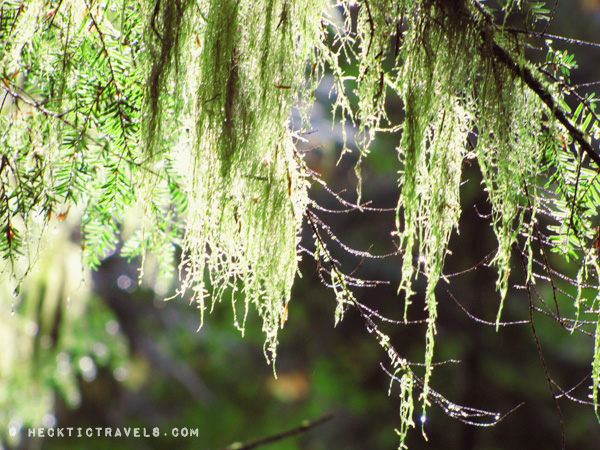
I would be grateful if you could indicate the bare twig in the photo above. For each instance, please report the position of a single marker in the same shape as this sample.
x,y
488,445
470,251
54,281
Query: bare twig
x,y
543,360
303,428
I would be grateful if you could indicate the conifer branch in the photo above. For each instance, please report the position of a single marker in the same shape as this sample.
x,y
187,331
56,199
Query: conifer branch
x,y
536,86
525,74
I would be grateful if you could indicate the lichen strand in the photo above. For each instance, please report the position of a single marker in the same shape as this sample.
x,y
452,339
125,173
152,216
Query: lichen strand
x,y
452,84
167,29
246,187
509,149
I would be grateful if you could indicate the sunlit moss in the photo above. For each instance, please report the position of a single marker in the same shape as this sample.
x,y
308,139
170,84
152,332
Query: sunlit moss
x,y
246,188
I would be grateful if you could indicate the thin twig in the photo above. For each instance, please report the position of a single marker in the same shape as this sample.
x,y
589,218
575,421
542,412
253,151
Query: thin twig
x,y
305,427
543,360
485,322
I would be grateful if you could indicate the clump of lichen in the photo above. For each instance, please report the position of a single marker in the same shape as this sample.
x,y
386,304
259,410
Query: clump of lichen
x,y
246,186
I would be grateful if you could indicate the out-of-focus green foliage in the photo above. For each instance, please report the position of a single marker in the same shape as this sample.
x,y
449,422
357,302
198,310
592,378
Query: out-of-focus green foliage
x,y
54,335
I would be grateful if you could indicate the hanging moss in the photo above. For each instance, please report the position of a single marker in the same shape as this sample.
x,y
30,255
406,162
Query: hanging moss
x,y
468,93
166,32
246,186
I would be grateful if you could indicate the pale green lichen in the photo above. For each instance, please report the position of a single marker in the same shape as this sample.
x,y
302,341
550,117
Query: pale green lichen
x,y
245,185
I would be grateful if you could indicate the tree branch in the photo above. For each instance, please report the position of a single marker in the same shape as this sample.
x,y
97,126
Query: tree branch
x,y
306,426
525,74
536,86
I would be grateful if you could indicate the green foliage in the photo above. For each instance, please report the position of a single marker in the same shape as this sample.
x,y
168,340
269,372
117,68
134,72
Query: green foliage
x,y
54,335
204,136
66,113
182,109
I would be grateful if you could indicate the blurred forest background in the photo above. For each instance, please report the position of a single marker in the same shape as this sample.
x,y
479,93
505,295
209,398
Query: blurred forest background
x,y
110,353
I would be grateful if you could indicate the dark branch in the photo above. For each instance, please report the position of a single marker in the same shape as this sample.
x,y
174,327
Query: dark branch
x,y
306,426
525,74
